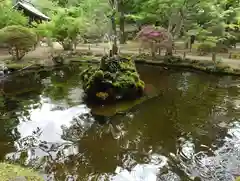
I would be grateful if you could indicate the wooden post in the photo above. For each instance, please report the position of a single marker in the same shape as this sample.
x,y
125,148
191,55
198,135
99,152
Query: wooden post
x,y
230,55
89,47
184,55
214,57
159,51
153,54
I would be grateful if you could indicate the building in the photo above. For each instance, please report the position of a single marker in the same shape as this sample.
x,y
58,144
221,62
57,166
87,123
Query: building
x,y
31,11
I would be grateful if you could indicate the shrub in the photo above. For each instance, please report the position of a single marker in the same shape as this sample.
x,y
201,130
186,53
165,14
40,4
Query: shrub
x,y
205,48
236,56
20,40
155,38
63,29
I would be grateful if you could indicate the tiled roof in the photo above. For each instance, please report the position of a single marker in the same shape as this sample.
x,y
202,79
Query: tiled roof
x,y
32,9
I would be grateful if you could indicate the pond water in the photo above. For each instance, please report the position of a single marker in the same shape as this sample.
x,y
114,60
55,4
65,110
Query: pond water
x,y
188,127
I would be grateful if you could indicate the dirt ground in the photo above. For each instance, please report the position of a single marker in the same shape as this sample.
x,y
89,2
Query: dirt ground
x,y
43,53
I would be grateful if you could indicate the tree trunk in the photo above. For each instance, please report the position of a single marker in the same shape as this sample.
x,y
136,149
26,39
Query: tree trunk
x,y
122,29
114,50
17,54
67,46
121,22
214,57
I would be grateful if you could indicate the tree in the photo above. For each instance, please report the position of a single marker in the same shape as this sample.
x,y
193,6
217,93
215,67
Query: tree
x,y
156,38
19,40
9,16
121,13
114,48
69,25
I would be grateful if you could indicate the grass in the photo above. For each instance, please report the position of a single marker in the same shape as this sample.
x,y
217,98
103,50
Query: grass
x,y
9,172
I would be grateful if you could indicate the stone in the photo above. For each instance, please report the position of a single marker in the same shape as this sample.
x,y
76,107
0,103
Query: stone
x,y
115,79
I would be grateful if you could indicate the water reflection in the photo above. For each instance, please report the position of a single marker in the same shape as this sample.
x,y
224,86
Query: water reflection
x,y
190,130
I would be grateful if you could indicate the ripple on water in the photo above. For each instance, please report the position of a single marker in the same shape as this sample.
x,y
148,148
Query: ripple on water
x,y
223,165
141,172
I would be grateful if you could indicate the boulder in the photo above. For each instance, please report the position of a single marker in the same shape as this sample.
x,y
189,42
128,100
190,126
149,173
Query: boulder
x,y
116,78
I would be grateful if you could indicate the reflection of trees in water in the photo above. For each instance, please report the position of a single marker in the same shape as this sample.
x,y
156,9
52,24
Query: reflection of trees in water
x,y
18,95
96,151
181,124
36,153
153,127
62,82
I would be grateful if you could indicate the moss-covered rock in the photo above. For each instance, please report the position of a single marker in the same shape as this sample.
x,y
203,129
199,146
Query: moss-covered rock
x,y
15,172
116,78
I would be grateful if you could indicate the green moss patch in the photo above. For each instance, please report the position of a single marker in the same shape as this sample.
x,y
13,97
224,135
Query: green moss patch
x,y
9,172
202,65
115,79
237,179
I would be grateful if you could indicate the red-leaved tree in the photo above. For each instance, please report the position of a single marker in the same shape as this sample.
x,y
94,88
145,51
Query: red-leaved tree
x,y
155,39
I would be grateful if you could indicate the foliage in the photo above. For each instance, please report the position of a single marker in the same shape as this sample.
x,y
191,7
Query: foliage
x,y
63,28
205,48
12,172
115,79
19,40
157,38
87,20
69,25
48,7
9,16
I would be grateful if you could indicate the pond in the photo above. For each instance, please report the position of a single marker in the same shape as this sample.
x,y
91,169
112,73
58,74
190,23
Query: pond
x,y
187,127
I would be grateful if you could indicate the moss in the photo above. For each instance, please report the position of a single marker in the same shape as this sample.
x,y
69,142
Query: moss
x,y
116,78
11,172
206,66
237,179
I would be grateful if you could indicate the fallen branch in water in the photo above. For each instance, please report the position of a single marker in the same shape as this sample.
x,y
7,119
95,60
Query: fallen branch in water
x,y
25,67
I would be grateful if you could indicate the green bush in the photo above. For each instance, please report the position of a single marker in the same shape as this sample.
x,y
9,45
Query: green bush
x,y
236,56
20,40
205,48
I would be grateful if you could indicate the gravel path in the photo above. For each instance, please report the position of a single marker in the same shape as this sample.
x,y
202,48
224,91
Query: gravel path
x,y
131,48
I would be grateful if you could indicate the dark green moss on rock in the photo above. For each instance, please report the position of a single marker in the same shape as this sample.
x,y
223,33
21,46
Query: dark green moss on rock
x,y
116,78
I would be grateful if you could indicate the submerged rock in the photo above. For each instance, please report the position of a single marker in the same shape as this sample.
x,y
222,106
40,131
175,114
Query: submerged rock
x,y
116,78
